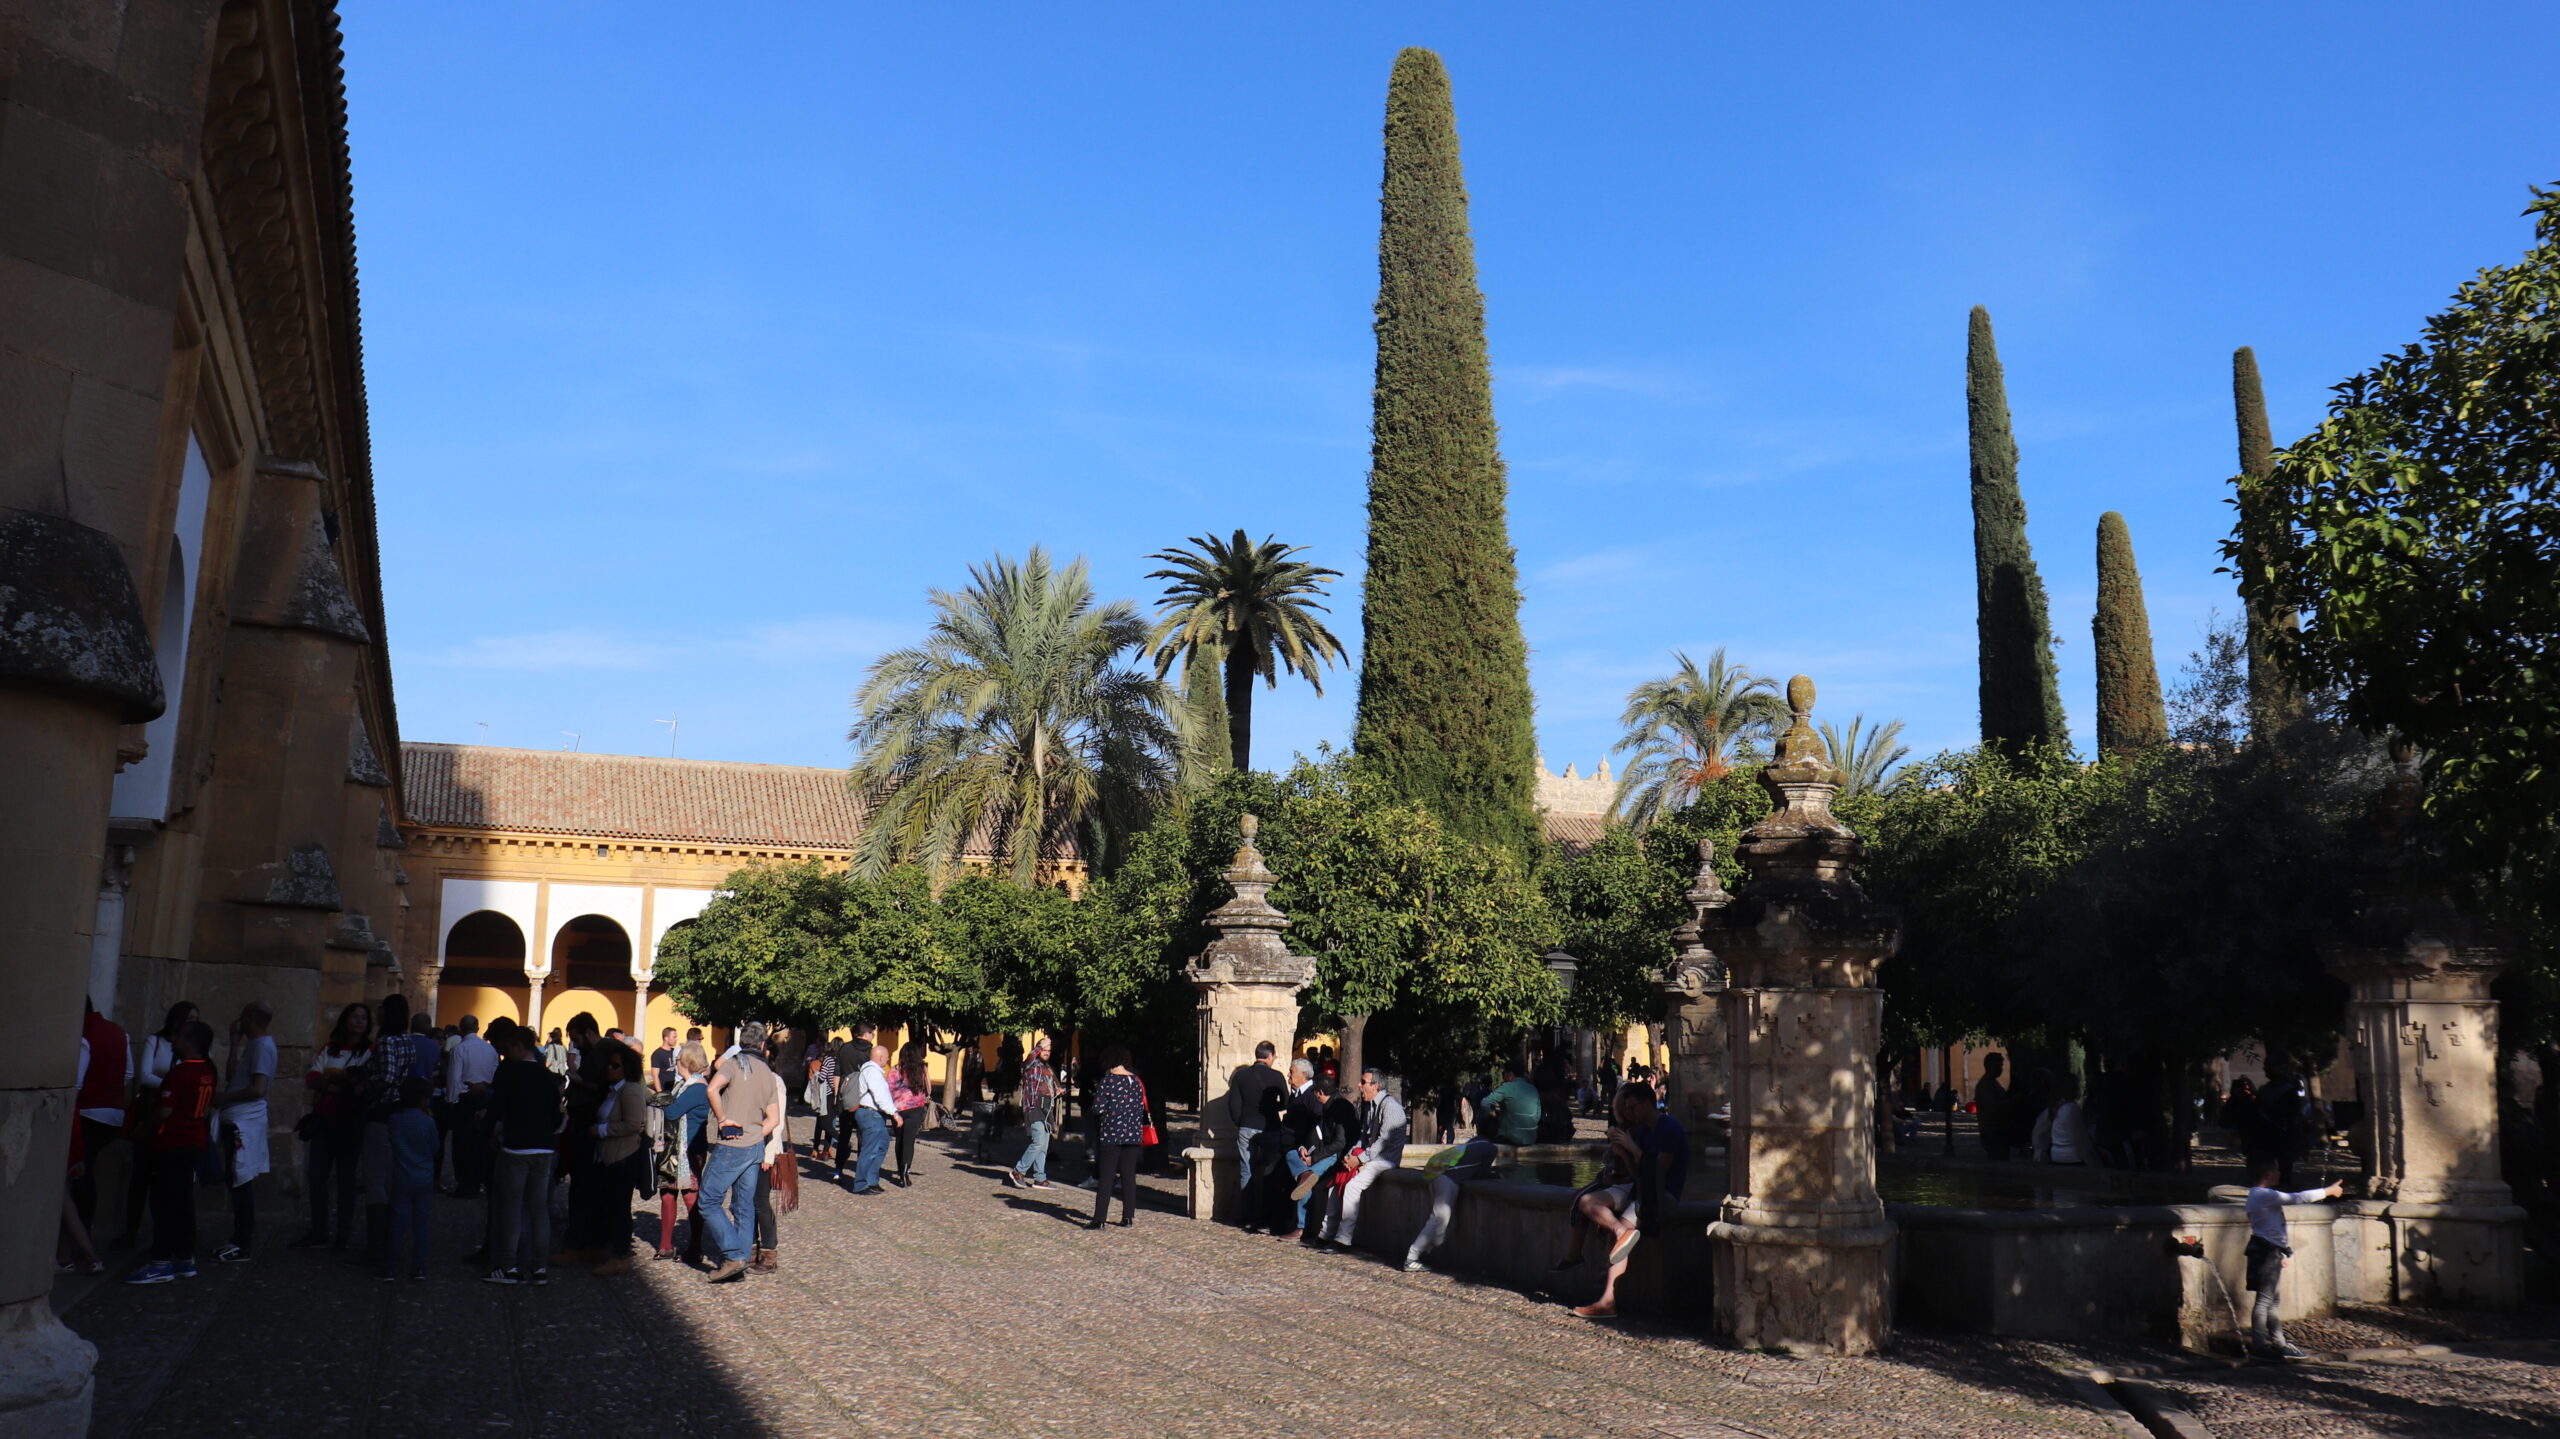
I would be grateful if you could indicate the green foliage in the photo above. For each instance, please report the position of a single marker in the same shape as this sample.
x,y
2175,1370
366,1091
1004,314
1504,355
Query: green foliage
x,y
2130,712
1683,727
1445,707
1437,938
2417,533
1250,608
798,941
1013,723
1868,759
2021,697
1964,844
1207,740
2274,701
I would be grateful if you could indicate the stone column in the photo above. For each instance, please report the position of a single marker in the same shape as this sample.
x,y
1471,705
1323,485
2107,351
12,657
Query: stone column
x,y
1800,1244
2438,1220
1692,988
106,942
1248,983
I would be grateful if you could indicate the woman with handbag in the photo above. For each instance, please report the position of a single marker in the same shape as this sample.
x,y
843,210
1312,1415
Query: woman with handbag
x,y
685,1110
619,1158
1120,1107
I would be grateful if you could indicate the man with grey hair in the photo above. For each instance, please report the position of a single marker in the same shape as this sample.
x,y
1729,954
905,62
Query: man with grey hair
x,y
1381,1148
746,1108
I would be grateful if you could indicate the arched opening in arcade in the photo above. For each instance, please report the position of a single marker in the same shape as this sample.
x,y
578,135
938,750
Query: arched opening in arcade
x,y
591,965
663,1013
483,970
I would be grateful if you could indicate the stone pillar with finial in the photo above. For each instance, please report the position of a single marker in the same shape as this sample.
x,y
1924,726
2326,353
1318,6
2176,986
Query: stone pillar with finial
x,y
1692,990
2437,1224
1800,1243
1248,985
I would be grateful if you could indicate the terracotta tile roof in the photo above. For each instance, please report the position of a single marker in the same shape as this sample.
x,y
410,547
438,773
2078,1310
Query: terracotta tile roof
x,y
619,796
1573,833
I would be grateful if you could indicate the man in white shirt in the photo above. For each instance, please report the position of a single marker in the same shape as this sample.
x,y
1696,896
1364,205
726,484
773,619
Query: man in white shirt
x,y
872,1117
473,1064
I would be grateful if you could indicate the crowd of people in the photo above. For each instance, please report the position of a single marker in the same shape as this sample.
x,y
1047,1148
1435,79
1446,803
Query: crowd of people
x,y
1307,1155
401,1116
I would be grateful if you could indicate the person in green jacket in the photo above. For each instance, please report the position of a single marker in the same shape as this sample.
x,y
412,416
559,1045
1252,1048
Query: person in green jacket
x,y
1515,1106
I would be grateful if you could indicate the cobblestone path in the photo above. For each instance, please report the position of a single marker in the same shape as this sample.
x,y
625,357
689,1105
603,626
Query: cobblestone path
x,y
960,1307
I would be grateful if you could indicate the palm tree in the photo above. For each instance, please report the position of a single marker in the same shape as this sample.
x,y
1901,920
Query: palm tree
x,y
1013,718
1257,607
1683,725
1866,761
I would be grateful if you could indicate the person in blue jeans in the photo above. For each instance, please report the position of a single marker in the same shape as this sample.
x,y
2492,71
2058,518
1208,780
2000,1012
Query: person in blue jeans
x,y
1039,1112
412,1180
746,1108
872,1120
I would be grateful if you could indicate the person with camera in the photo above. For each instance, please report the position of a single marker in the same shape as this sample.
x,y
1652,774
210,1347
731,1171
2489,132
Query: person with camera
x,y
746,1110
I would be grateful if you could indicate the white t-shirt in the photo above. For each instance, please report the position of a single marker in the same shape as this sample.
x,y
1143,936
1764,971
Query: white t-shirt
x,y
474,1061
257,1056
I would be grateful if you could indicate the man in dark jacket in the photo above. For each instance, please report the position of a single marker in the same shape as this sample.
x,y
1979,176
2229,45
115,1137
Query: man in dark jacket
x,y
1299,1130
1249,1089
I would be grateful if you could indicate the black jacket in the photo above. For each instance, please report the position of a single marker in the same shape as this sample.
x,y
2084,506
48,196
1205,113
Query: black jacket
x,y
1341,1128
1252,1093
524,1105
1303,1118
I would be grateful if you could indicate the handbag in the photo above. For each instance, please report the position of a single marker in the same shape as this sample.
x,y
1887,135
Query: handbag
x,y
1147,1136
786,1181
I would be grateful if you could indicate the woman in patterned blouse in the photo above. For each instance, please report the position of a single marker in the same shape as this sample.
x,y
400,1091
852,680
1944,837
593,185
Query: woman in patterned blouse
x,y
1120,1104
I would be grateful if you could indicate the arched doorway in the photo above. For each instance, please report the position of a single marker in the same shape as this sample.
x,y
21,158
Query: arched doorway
x,y
663,1013
591,961
483,973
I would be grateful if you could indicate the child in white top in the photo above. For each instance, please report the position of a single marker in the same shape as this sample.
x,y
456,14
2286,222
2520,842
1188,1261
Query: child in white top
x,y
2270,1245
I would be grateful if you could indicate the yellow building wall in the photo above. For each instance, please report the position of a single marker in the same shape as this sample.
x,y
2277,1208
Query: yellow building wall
x,y
453,1001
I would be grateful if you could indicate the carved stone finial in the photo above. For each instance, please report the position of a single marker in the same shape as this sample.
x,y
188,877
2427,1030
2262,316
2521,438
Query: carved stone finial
x,y
1250,825
1801,753
1800,695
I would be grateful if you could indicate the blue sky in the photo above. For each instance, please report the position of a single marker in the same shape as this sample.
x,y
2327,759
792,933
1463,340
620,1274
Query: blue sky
x,y
701,341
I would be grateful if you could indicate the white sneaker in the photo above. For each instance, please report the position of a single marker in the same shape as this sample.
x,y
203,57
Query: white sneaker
x,y
1413,1266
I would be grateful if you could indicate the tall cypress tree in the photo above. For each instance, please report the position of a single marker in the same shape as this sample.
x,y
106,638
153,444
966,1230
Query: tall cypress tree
x,y
2273,701
1444,674
2130,714
2021,697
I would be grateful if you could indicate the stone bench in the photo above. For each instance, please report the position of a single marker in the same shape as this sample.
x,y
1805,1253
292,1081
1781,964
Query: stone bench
x,y
1511,1233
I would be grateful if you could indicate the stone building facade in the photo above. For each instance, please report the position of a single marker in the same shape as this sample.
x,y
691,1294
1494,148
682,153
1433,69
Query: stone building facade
x,y
196,728
542,882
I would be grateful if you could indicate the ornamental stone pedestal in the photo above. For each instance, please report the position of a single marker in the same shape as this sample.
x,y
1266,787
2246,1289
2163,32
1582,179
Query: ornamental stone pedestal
x,y
1692,989
1800,1245
1248,983
2437,1225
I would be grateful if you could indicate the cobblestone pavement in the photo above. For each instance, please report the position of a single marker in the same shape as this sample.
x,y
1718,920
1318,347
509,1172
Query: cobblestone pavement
x,y
961,1307
2459,1396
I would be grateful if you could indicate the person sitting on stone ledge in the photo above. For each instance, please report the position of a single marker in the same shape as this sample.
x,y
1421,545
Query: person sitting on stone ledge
x,y
1516,1104
1470,1161
1643,1176
1379,1148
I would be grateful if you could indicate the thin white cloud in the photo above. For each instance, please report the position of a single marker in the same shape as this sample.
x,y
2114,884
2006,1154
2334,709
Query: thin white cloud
x,y
809,639
586,649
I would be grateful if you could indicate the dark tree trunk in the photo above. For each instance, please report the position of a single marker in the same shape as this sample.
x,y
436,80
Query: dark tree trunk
x,y
1240,709
1355,1029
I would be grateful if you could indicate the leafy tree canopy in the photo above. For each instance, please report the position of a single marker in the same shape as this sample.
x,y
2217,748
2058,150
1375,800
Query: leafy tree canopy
x,y
2417,533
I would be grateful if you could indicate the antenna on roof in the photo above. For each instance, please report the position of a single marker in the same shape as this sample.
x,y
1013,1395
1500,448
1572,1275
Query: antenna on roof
x,y
484,730
574,738
671,725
